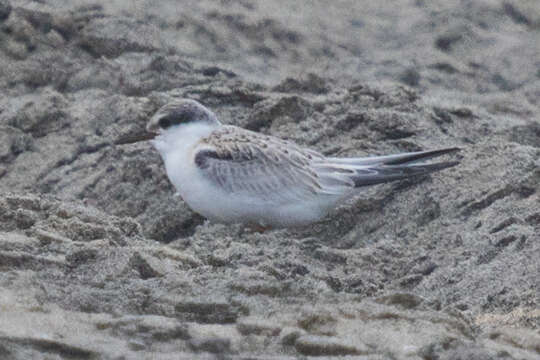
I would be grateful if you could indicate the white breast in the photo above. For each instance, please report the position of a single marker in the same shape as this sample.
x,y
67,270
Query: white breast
x,y
178,148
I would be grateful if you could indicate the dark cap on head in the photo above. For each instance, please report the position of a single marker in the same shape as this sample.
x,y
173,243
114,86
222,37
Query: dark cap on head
x,y
182,111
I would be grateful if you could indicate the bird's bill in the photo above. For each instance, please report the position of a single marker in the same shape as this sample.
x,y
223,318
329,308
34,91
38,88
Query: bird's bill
x,y
131,139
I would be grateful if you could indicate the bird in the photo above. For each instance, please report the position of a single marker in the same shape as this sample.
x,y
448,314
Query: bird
x,y
230,175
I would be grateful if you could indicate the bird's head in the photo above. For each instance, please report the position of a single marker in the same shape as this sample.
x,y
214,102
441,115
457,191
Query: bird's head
x,y
178,113
170,118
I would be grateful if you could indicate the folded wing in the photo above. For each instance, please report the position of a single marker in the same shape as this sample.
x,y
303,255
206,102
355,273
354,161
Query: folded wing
x,y
381,169
264,168
269,169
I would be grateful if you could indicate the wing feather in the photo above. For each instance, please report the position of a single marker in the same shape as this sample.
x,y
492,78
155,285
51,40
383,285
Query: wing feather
x,y
258,166
272,170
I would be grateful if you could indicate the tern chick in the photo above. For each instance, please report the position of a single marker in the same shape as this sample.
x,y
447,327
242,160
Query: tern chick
x,y
233,175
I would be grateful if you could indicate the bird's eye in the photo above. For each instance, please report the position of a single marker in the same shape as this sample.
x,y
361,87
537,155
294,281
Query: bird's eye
x,y
164,122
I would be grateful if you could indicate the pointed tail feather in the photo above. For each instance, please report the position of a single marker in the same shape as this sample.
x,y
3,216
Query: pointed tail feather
x,y
396,159
386,173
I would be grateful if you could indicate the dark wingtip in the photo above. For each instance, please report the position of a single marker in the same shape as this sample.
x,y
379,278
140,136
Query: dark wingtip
x,y
443,165
450,150
413,157
388,173
453,149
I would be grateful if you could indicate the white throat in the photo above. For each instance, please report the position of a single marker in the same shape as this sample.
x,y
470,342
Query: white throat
x,y
181,138
177,146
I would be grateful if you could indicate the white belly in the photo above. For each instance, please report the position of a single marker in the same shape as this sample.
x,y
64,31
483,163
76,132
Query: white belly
x,y
214,203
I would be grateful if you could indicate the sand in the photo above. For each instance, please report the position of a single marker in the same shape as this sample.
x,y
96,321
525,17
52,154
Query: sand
x,y
99,259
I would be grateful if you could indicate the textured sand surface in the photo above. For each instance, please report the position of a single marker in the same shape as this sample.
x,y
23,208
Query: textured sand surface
x,y
98,259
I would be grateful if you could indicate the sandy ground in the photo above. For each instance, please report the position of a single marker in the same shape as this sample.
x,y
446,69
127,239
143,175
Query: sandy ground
x,y
98,259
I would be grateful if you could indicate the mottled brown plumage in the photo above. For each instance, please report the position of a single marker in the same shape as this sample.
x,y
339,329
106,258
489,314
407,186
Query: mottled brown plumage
x,y
243,161
233,175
